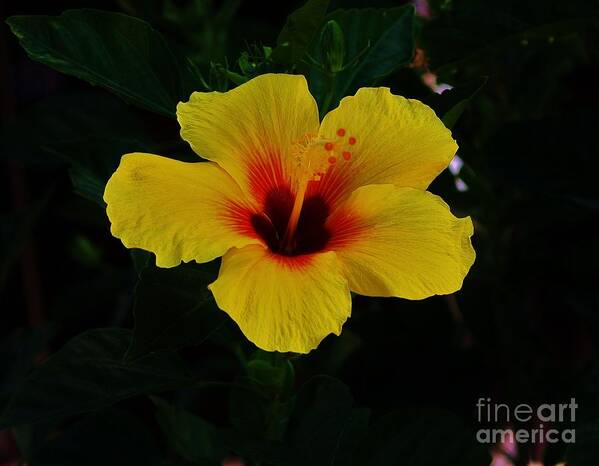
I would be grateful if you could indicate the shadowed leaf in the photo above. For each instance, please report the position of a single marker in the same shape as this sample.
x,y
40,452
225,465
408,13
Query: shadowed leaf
x,y
189,435
111,437
173,309
118,52
89,373
380,40
325,426
299,31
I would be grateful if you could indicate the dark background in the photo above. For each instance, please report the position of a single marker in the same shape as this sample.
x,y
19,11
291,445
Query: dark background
x,y
524,328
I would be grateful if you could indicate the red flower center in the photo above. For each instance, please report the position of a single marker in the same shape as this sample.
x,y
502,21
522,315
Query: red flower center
x,y
311,234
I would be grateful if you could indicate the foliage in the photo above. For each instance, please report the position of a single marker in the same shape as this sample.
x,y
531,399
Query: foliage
x,y
145,369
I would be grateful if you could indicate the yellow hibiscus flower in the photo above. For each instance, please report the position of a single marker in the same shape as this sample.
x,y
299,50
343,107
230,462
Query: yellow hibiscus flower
x,y
302,212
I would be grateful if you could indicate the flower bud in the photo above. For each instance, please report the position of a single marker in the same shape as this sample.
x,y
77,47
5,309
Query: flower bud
x,y
332,47
245,65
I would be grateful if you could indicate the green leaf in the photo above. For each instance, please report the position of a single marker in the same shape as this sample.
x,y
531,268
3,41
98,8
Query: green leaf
x,y
336,352
118,52
392,49
258,415
29,437
450,105
173,308
89,373
325,426
18,352
260,405
257,423
90,131
87,184
272,372
189,435
380,40
141,260
300,29
111,437
421,438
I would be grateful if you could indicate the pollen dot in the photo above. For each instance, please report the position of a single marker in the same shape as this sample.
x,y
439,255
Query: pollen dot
x,y
332,160
352,140
341,132
328,146
347,155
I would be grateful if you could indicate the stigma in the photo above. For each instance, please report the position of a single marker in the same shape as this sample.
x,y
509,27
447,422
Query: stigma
x,y
314,157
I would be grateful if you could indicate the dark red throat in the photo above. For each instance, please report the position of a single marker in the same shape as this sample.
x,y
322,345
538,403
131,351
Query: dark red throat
x,y
311,234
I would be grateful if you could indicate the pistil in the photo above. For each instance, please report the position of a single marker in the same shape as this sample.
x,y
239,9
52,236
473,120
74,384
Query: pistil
x,y
294,218
314,158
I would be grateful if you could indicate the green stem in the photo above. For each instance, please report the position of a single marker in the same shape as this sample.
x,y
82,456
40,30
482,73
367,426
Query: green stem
x,y
332,78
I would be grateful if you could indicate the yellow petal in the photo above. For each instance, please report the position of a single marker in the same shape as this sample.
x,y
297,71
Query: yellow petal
x,y
282,303
179,211
401,242
395,140
253,130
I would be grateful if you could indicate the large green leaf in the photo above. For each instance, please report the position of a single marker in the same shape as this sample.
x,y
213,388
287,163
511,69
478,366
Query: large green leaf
x,y
111,437
118,52
18,352
260,404
325,426
89,131
388,51
189,435
257,421
299,31
173,309
272,372
382,39
89,373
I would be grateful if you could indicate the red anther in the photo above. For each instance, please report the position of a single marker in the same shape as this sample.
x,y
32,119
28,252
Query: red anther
x,y
332,160
352,141
347,155
328,146
341,132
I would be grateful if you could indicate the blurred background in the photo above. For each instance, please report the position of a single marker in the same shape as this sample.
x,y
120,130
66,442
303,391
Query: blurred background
x,y
524,328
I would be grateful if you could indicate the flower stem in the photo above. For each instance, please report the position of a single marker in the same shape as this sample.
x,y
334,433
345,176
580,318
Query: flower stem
x,y
331,81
